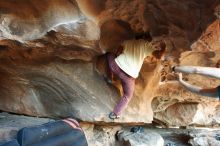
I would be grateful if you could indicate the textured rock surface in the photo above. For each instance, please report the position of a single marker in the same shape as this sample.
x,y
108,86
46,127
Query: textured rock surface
x,y
204,138
47,67
186,107
98,135
59,90
27,20
209,40
139,139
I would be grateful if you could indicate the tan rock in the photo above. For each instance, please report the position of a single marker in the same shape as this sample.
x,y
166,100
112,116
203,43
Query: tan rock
x,y
172,100
54,75
26,20
147,138
204,138
209,40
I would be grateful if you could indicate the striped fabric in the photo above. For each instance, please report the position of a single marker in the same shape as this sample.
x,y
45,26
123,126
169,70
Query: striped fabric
x,y
73,123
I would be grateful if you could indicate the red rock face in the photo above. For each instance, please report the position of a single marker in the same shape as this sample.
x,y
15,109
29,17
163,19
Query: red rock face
x,y
209,40
49,51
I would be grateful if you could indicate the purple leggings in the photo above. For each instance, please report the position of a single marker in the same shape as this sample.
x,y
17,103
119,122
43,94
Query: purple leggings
x,y
127,82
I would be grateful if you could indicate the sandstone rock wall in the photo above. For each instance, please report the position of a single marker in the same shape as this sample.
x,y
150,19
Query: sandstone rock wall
x,y
49,50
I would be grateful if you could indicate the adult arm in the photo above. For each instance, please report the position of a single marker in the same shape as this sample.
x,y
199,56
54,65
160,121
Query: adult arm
x,y
211,92
207,71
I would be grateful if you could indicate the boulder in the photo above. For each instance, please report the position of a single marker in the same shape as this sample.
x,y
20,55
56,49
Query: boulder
x,y
146,138
204,138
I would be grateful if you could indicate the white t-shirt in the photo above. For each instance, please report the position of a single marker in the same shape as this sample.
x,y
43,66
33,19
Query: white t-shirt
x,y
131,60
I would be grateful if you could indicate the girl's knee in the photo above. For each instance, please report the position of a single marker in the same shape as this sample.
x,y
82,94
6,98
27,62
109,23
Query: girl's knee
x,y
128,95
